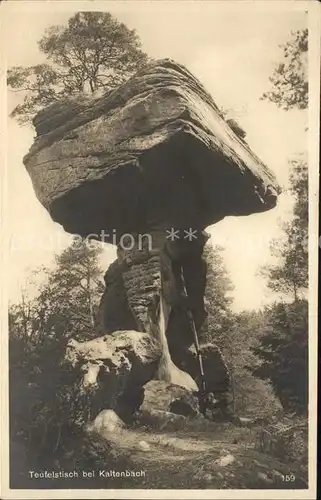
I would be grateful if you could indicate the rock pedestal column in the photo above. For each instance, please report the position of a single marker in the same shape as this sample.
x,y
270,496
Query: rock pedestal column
x,y
145,292
154,155
152,289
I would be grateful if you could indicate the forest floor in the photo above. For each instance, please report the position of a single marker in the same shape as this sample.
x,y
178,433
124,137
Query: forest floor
x,y
222,456
198,456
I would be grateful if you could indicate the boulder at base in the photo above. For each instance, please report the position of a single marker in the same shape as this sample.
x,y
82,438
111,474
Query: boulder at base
x,y
163,396
114,368
107,421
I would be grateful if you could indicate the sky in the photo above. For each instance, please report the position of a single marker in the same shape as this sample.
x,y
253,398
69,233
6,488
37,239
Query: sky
x,y
233,53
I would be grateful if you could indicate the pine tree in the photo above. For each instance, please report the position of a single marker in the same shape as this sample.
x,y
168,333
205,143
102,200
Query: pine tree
x,y
283,348
290,77
290,275
236,334
94,51
217,297
45,404
70,298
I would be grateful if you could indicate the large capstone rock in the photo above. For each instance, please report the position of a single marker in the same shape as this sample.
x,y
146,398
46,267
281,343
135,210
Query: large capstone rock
x,y
108,163
114,369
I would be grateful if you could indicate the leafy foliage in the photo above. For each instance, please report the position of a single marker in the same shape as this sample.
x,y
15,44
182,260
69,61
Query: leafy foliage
x,y
287,438
284,349
252,396
95,51
236,335
290,275
284,344
290,77
217,297
45,401
73,291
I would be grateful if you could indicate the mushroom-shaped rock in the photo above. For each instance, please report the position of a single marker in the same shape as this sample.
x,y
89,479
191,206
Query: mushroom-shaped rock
x,y
155,159
109,163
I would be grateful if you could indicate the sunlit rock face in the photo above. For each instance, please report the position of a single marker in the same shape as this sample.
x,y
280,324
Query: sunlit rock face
x,y
151,157
114,368
163,396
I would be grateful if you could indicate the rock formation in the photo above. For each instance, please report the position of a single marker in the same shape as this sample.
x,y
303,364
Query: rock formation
x,y
159,395
148,168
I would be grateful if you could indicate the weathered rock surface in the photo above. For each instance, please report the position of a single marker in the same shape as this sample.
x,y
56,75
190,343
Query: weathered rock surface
x,y
143,292
187,405
115,367
161,419
160,395
109,163
217,376
107,421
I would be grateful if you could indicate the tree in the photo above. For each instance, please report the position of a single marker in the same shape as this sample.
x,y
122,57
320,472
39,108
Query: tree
x,y
290,90
284,351
235,334
95,51
69,301
283,347
45,404
290,77
217,297
290,275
